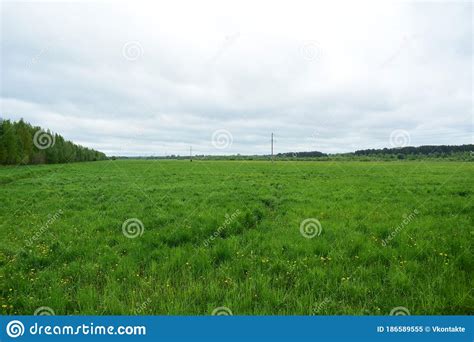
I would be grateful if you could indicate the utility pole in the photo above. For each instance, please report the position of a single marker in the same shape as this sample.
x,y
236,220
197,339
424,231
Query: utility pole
x,y
190,153
272,147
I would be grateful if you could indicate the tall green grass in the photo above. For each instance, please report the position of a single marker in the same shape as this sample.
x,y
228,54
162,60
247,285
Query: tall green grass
x,y
227,234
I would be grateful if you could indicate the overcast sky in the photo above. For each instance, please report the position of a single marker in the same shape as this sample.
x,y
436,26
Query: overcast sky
x,y
152,79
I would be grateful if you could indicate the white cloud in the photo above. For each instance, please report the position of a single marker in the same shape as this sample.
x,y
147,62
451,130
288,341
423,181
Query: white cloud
x,y
240,66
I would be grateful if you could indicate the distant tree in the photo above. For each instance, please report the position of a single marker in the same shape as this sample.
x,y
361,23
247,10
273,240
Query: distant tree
x,y
10,142
440,151
25,142
17,146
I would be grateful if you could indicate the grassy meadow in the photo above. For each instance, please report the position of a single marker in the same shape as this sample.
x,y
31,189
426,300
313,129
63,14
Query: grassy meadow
x,y
233,234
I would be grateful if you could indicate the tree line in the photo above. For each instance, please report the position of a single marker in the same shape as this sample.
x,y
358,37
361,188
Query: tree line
x,y
22,143
310,154
427,150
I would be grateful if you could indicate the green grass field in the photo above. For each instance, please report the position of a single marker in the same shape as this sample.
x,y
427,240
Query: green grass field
x,y
227,234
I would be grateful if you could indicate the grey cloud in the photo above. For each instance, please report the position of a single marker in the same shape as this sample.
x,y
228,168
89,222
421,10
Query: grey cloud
x,y
390,66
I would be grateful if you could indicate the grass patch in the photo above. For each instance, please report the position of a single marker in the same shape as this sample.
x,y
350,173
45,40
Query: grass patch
x,y
258,262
